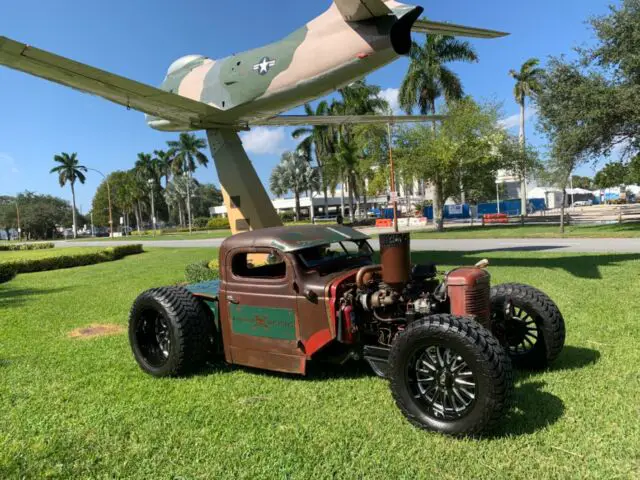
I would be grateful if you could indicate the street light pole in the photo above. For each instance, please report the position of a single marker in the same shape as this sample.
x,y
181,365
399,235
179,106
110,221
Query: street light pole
x,y
108,200
394,196
153,208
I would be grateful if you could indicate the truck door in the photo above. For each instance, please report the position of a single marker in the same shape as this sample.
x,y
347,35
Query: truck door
x,y
258,309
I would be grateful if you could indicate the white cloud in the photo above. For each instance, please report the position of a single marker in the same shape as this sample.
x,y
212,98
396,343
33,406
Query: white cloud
x,y
7,164
391,96
265,141
514,120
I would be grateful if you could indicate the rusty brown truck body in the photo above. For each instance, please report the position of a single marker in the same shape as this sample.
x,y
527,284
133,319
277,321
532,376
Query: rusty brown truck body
x,y
290,296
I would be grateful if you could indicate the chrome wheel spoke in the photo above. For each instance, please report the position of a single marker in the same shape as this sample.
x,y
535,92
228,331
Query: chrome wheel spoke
x,y
441,379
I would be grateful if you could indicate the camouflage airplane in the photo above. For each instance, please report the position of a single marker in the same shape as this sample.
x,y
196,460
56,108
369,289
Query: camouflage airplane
x,y
223,97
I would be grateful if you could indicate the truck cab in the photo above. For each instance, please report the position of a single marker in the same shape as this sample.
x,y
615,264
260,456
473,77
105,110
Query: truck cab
x,y
270,280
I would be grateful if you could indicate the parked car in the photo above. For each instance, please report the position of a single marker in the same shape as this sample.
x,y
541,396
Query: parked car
x,y
583,203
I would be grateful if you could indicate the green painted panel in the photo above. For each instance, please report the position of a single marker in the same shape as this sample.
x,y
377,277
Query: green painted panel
x,y
277,323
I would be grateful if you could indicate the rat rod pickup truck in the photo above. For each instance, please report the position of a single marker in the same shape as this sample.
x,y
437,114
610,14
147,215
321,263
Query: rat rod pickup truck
x,y
289,296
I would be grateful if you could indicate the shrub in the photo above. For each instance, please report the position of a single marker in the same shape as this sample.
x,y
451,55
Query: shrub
x,y
200,272
287,216
219,223
25,246
200,222
28,265
7,272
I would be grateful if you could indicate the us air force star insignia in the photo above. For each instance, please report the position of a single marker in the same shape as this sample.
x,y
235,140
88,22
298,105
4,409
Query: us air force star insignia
x,y
265,64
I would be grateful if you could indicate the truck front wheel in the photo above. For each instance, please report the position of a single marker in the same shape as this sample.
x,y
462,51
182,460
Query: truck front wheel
x,y
449,374
169,332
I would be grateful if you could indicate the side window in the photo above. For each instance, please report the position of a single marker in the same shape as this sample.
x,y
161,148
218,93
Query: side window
x,y
259,265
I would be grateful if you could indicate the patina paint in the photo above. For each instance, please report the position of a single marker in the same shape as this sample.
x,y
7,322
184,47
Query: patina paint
x,y
265,322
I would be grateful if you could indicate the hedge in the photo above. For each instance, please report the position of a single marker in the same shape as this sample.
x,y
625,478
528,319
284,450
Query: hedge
x,y
201,272
25,246
218,223
27,265
7,272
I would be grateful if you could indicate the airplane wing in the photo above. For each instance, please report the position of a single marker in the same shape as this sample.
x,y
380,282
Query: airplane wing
x,y
357,10
302,120
426,26
115,88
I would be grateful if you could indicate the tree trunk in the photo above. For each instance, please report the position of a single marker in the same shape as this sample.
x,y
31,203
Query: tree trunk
x,y
351,205
326,200
342,198
138,213
364,197
564,200
312,213
523,184
297,195
73,213
179,213
438,205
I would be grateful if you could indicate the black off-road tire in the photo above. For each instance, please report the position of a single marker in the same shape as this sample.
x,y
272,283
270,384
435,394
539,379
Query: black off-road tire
x,y
474,346
182,320
529,346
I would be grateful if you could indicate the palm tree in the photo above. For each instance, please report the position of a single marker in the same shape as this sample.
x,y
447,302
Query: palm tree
x,y
69,171
184,154
164,161
358,98
428,78
317,142
528,84
293,174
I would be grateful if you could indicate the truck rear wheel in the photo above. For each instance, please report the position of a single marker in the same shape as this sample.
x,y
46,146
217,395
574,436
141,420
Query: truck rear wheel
x,y
449,374
528,324
169,332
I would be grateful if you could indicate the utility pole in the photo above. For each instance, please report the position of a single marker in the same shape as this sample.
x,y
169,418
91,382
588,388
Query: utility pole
x,y
93,233
394,195
153,208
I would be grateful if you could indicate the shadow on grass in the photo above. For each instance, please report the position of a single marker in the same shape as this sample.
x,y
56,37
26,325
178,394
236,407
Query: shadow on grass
x,y
531,410
571,358
11,297
582,266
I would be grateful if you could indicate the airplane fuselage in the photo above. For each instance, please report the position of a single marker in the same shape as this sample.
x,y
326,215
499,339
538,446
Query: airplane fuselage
x,y
315,60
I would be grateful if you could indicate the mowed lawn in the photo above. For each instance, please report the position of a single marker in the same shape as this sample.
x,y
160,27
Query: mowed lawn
x,y
625,230
80,408
46,253
164,236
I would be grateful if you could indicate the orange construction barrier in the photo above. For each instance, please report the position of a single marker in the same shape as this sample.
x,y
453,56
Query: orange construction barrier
x,y
495,218
384,222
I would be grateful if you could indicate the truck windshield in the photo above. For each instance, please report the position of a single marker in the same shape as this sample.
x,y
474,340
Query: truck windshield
x,y
338,251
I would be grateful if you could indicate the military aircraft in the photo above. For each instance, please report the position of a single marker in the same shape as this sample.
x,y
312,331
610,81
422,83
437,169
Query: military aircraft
x,y
351,39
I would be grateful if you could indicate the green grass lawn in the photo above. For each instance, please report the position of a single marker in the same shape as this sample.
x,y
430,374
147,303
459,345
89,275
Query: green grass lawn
x,y
73,408
628,230
49,252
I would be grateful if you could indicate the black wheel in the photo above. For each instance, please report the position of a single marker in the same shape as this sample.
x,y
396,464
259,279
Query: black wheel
x,y
449,374
170,332
528,324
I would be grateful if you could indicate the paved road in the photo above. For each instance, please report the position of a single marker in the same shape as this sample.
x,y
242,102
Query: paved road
x,y
625,245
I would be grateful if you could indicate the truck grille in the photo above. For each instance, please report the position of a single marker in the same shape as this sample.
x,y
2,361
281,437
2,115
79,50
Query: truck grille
x,y
478,302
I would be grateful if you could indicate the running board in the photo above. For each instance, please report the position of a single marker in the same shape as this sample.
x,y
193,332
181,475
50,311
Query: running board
x,y
378,359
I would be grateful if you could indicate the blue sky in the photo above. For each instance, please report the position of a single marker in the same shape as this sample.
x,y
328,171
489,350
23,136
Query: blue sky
x,y
139,39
